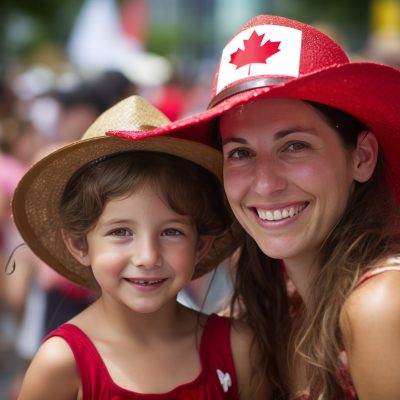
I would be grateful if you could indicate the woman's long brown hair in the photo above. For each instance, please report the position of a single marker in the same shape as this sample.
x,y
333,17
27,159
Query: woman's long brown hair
x,y
365,237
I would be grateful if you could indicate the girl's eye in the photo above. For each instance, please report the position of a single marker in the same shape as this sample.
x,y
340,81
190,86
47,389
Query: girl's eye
x,y
171,232
238,153
121,232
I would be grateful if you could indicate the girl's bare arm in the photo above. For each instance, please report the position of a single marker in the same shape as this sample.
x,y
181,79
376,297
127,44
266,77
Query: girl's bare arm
x,y
52,374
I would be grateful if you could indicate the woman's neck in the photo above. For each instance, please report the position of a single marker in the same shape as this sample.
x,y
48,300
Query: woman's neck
x,y
301,272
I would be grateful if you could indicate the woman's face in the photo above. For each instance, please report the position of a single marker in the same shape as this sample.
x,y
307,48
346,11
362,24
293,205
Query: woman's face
x,y
286,174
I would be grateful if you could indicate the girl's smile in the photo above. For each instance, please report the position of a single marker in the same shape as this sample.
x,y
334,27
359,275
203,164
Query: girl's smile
x,y
141,251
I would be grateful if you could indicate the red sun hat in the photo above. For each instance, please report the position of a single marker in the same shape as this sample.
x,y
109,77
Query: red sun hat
x,y
276,57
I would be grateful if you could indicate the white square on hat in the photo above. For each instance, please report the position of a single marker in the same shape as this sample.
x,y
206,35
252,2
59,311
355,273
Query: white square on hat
x,y
284,62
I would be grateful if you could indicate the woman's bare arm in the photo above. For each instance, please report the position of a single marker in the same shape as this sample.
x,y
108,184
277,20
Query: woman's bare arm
x,y
370,323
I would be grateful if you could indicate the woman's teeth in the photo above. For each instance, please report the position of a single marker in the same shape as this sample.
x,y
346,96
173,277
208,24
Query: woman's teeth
x,y
278,215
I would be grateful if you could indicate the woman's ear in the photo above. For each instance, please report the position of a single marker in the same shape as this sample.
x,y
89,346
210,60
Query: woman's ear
x,y
77,246
203,246
365,156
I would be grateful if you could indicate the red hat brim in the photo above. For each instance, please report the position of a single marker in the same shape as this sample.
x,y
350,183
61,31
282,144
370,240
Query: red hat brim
x,y
368,91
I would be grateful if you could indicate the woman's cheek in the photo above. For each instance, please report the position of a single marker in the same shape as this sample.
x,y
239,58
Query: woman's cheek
x,y
235,185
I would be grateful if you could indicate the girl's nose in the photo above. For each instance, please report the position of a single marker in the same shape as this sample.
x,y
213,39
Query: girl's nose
x,y
146,253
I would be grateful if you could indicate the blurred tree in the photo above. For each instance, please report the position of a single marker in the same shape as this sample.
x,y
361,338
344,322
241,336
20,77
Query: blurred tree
x,y
24,25
185,28
350,19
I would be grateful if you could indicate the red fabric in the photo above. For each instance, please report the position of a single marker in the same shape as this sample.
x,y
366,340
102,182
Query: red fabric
x,y
215,353
376,271
74,291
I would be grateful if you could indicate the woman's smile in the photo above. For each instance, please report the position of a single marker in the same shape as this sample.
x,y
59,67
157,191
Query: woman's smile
x,y
279,214
286,175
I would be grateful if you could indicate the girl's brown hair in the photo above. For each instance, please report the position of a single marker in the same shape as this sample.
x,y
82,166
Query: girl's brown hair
x,y
364,238
186,187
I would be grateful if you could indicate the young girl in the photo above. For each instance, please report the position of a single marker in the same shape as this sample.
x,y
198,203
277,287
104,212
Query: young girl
x,y
311,171
137,220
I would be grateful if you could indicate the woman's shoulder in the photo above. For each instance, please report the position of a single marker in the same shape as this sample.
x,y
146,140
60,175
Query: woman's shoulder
x,y
375,301
370,326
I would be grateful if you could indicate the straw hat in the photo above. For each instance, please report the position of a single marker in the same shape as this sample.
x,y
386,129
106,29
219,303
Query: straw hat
x,y
36,199
275,57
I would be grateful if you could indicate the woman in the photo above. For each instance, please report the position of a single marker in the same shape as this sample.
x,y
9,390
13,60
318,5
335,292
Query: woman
x,y
311,160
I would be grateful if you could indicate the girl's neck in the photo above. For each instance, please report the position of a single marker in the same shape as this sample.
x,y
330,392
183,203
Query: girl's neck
x,y
127,324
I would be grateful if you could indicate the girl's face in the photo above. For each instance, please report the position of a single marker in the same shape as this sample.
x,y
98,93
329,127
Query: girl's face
x,y
142,252
287,175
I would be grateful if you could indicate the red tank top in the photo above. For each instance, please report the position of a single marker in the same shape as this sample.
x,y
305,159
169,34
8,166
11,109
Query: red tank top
x,y
217,379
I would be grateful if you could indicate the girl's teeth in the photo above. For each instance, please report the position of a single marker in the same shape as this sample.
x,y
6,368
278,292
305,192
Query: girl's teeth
x,y
147,283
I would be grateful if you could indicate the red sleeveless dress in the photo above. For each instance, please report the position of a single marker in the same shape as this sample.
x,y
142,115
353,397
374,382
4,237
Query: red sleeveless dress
x,y
216,381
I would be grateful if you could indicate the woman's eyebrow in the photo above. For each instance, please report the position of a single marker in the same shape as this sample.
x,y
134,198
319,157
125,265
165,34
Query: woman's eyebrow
x,y
281,134
234,140
277,135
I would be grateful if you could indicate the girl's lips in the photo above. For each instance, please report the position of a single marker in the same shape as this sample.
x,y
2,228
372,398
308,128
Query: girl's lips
x,y
145,284
280,214
145,281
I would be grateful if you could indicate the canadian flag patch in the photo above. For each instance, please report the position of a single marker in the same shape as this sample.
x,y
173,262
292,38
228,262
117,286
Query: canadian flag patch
x,y
260,50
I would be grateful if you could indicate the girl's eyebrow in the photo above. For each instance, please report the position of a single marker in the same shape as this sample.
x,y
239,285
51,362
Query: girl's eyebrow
x,y
114,221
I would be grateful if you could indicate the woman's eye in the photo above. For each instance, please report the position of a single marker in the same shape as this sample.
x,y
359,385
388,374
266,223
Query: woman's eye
x,y
171,232
238,153
121,232
296,146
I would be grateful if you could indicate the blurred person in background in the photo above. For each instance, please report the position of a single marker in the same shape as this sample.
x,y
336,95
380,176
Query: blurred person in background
x,y
39,299
80,105
18,141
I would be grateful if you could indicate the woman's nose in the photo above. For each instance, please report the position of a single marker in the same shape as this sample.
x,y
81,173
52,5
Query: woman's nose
x,y
268,176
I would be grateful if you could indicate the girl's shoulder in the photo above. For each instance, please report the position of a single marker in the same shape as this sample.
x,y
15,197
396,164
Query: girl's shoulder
x,y
54,362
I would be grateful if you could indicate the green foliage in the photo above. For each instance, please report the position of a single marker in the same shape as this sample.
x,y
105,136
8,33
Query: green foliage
x,y
351,18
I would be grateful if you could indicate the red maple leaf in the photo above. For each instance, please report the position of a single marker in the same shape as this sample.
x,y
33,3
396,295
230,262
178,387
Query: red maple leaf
x,y
254,52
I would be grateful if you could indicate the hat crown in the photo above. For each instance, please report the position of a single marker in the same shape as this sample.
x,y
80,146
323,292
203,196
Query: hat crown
x,y
275,47
131,114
